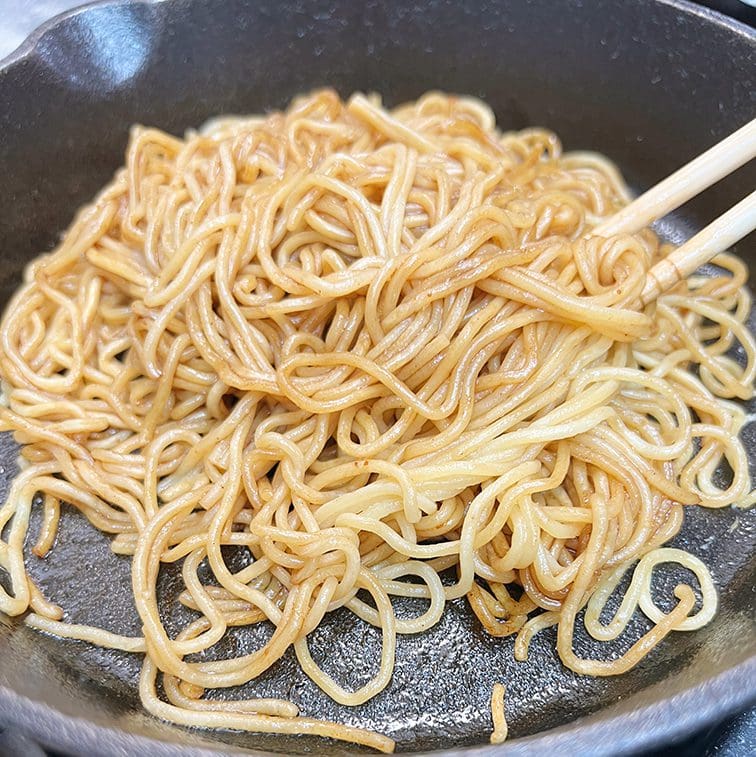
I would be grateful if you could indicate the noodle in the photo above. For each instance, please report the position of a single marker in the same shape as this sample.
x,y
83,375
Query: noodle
x,y
365,346
498,715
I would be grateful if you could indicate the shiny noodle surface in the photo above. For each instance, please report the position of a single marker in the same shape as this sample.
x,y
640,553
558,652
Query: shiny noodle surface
x,y
366,347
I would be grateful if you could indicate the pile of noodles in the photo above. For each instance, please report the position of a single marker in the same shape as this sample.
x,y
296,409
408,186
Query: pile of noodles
x,y
368,346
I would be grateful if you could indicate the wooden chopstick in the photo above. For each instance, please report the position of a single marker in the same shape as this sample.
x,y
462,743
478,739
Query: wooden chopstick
x,y
708,168
731,226
703,171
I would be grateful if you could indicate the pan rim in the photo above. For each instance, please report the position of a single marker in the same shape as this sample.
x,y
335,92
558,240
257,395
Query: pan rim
x,y
603,732
643,728
29,46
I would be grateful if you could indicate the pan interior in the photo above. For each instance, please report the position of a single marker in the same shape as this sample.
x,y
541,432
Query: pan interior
x,y
439,696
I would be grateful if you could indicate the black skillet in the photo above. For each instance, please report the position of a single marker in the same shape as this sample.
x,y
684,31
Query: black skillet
x,y
650,83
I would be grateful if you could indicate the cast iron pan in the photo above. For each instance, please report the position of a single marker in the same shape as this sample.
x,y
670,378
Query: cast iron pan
x,y
649,83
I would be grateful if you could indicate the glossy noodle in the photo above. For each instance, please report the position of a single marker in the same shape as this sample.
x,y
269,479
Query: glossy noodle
x,y
365,347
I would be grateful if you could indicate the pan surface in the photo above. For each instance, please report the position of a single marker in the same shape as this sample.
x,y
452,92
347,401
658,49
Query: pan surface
x,y
649,83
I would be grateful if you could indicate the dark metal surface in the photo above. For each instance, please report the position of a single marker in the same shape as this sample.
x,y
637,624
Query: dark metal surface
x,y
649,83
742,10
735,737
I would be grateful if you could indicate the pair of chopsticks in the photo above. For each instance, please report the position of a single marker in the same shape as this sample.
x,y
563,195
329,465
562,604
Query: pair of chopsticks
x,y
707,169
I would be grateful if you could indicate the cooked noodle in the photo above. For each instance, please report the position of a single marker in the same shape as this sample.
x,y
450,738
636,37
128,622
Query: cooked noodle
x,y
498,715
365,346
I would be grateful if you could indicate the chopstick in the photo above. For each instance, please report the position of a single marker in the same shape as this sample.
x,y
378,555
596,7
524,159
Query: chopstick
x,y
708,168
730,227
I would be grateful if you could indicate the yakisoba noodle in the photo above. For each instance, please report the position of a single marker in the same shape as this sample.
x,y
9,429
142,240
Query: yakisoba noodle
x,y
498,715
367,346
